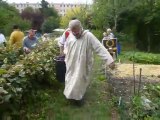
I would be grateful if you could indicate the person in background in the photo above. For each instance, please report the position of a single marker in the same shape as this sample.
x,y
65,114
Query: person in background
x,y
78,50
2,39
16,38
109,34
30,41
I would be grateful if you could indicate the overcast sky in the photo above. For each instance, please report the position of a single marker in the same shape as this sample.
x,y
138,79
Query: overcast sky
x,y
50,1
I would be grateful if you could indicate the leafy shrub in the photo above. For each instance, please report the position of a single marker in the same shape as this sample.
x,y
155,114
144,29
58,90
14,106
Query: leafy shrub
x,y
140,57
146,58
146,107
22,77
9,56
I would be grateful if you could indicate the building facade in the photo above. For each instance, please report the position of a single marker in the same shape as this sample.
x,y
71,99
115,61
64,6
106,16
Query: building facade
x,y
61,8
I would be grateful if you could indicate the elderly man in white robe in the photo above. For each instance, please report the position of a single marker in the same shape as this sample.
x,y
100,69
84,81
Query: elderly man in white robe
x,y
78,50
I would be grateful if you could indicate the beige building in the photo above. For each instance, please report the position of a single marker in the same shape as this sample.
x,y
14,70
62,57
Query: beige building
x,y
60,7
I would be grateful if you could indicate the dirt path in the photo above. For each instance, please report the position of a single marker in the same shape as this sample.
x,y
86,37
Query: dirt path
x,y
122,81
149,72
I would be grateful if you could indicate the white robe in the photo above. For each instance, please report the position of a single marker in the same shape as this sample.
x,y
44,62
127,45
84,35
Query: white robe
x,y
79,61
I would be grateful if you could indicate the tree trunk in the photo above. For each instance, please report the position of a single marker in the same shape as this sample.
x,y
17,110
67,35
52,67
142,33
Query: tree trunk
x,y
148,40
115,22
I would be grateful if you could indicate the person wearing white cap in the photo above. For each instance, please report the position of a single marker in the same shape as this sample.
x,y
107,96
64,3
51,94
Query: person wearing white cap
x,y
79,48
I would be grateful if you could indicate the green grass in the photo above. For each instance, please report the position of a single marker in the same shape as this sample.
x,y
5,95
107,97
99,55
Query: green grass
x,y
50,104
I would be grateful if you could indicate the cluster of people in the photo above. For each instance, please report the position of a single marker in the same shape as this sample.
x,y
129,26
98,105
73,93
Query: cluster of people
x,y
18,40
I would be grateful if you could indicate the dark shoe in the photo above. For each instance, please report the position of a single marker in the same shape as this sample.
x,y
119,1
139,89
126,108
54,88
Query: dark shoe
x,y
78,103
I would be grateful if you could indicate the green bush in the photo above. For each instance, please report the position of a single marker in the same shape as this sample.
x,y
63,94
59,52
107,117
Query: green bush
x,y
146,106
146,58
18,79
140,57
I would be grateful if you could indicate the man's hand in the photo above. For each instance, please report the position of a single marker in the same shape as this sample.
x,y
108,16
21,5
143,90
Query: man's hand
x,y
27,50
112,65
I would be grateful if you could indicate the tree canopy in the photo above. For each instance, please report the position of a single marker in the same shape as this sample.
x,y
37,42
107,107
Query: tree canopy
x,y
10,16
139,20
80,13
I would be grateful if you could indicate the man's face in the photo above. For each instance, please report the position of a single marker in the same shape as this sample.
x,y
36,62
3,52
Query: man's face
x,y
76,30
31,34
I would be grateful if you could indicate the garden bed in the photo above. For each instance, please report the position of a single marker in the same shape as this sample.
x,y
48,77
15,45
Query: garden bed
x,y
121,84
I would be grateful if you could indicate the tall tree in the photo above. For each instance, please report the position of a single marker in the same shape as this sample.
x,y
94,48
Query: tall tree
x,y
34,16
46,11
77,12
44,4
50,24
9,16
138,19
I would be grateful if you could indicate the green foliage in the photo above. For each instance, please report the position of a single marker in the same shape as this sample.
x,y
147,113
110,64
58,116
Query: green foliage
x,y
35,17
27,19
137,19
140,57
7,14
146,107
141,22
8,56
46,11
146,58
23,25
49,12
50,24
50,16
138,108
79,13
10,16
98,34
31,70
124,38
107,15
44,4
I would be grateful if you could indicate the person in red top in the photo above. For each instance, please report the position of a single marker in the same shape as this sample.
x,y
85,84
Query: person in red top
x,y
64,38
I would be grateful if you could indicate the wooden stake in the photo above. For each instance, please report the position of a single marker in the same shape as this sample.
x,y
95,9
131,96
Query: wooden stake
x,y
140,76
